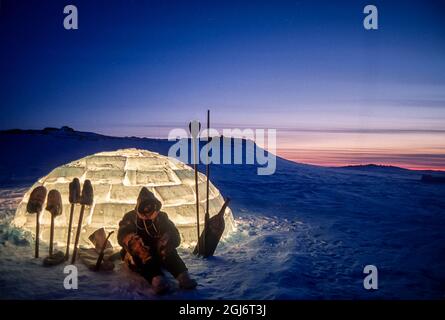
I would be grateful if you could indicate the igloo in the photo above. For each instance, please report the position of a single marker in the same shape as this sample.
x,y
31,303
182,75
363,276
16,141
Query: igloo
x,y
117,177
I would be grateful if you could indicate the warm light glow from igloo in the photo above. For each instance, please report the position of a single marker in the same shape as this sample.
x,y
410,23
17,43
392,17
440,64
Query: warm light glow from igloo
x,y
117,178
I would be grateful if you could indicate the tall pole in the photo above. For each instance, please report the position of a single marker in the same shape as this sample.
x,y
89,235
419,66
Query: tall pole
x,y
207,214
195,127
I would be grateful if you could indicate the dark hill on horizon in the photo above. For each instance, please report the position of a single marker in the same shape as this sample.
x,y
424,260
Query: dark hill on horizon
x,y
161,145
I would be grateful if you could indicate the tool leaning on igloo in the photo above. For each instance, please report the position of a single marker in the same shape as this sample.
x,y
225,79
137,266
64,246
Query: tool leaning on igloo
x,y
54,205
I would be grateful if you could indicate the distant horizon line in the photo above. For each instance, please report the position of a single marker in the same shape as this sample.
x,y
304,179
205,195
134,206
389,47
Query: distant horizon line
x,y
285,128
280,152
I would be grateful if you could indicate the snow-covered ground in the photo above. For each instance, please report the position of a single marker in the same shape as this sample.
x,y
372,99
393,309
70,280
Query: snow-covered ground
x,y
305,232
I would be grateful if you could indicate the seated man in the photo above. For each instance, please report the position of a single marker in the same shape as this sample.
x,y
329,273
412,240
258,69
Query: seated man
x,y
149,240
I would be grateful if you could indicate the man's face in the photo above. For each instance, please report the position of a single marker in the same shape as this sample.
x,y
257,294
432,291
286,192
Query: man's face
x,y
148,216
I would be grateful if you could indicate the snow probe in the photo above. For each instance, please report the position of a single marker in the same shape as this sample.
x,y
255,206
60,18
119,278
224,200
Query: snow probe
x,y
74,198
194,128
86,199
54,206
35,205
215,229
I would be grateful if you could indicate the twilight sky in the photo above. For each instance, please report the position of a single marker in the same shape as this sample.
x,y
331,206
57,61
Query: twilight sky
x,y
337,93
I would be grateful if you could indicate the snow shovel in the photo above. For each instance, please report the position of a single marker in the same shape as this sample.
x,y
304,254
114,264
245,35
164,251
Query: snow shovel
x,y
194,128
213,232
35,205
54,206
86,199
74,198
